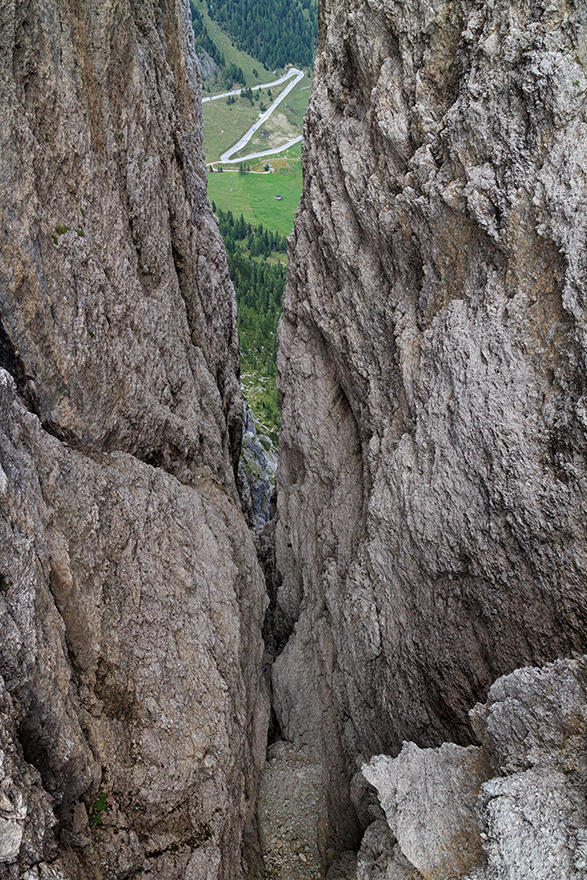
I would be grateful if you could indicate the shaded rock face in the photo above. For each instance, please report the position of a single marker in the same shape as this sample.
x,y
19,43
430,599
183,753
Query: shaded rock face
x,y
117,303
432,476
206,64
256,472
133,716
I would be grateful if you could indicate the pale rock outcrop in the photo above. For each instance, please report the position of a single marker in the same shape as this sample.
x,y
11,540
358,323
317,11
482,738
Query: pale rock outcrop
x,y
432,480
133,712
206,64
510,809
429,797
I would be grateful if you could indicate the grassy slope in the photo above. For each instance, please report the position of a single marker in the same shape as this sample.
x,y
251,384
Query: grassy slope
x,y
254,194
231,54
286,122
225,123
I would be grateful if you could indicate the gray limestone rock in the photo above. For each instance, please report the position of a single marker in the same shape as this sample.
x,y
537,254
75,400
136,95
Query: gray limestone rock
x,y
463,813
530,826
533,815
535,716
26,810
430,798
380,857
10,840
432,480
206,64
117,309
256,471
134,714
131,624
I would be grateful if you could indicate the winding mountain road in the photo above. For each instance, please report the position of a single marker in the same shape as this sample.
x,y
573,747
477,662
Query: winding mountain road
x,y
293,71
280,149
226,156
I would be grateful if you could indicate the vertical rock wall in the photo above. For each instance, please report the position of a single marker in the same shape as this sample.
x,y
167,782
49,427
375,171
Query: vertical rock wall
x,y
432,479
133,715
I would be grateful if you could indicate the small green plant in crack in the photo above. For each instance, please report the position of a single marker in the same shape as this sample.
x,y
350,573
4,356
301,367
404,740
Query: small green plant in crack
x,y
100,806
61,229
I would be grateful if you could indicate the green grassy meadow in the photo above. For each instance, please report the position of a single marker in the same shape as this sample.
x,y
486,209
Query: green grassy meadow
x,y
253,195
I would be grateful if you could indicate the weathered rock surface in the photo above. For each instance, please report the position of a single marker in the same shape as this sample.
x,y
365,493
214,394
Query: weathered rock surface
x,y
380,857
432,480
429,797
117,305
511,809
133,714
206,64
128,623
256,472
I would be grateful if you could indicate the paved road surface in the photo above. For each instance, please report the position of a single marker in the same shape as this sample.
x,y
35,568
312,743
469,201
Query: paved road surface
x,y
292,72
225,157
264,153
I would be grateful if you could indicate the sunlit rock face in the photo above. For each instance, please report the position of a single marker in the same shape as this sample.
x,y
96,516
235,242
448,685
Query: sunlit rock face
x,y
432,480
132,712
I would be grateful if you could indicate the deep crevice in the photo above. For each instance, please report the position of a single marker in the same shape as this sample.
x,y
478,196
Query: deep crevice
x,y
11,361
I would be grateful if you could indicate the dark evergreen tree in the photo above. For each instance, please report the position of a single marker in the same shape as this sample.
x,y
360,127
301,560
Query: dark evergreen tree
x,y
259,282
276,32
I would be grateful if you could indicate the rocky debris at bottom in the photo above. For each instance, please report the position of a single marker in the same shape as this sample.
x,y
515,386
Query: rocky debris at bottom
x,y
291,812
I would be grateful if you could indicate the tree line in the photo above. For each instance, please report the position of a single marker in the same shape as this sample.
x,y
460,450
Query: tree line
x,y
203,39
230,72
259,282
277,32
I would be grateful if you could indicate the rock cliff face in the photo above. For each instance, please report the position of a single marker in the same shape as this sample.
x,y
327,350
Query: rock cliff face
x,y
133,714
432,480
256,472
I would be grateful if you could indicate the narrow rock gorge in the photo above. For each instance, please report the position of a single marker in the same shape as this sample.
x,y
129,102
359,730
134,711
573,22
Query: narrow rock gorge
x,y
423,603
